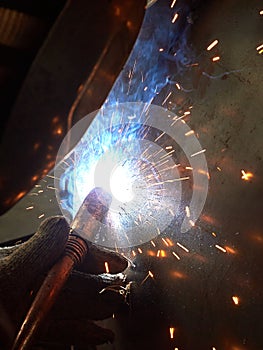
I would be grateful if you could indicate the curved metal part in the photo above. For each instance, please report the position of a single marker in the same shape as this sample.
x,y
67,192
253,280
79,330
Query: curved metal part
x,y
84,52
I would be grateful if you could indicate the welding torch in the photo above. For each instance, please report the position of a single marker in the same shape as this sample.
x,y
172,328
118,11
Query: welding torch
x,y
91,212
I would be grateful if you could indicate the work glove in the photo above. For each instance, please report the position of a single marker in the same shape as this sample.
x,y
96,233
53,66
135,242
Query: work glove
x,y
89,294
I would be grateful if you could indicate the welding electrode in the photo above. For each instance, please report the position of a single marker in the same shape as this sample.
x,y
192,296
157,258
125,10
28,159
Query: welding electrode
x,y
91,212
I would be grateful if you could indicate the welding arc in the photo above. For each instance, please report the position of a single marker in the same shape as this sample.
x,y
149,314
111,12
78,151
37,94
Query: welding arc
x,y
93,209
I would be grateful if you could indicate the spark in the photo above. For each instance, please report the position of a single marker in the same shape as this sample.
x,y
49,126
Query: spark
x,y
220,248
213,234
188,168
58,131
246,175
166,98
203,172
213,348
261,12
179,179
235,299
171,212
167,154
133,253
161,253
183,247
213,44
170,243
107,267
191,222
158,138
29,208
139,250
40,191
199,152
178,86
218,168
164,241
153,244
41,216
173,3
191,132
175,17
172,329
53,177
230,250
176,255
259,47
216,58
150,274
161,49
187,210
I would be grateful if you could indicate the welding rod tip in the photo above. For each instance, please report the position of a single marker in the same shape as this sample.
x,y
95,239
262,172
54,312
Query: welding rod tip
x,y
92,211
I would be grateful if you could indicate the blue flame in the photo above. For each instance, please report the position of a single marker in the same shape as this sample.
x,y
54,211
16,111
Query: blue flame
x,y
160,53
82,162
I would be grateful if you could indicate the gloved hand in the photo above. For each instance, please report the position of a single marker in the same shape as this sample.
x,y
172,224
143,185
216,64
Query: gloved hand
x,y
22,270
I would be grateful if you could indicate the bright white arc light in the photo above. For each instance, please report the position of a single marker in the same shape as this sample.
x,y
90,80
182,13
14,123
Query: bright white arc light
x,y
121,185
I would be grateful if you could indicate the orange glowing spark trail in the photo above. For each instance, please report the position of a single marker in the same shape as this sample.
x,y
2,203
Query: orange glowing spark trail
x,y
220,248
246,175
29,208
150,274
188,133
177,256
216,58
107,267
158,138
259,47
199,152
170,93
164,241
153,244
175,17
213,44
235,299
173,3
172,329
183,247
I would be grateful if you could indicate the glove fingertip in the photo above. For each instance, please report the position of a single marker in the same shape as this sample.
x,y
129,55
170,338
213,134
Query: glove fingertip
x,y
101,260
